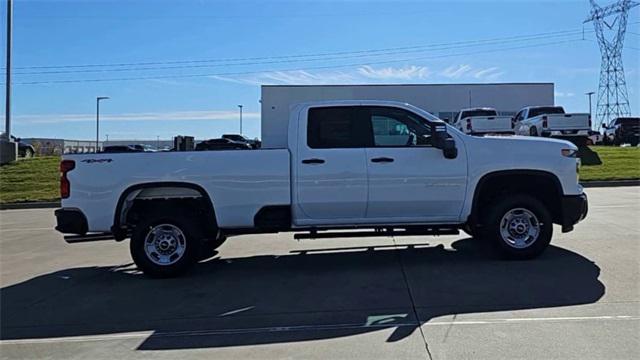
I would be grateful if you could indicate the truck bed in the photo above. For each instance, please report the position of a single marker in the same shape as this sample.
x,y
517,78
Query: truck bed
x,y
239,183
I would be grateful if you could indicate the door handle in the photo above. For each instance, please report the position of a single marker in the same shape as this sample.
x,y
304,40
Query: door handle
x,y
382,160
313,161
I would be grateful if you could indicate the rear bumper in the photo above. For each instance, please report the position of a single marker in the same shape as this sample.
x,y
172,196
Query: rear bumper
x,y
574,210
565,133
71,221
73,224
489,132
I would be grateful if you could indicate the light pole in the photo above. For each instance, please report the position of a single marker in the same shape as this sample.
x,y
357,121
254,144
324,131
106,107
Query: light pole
x,y
589,95
240,106
98,119
7,84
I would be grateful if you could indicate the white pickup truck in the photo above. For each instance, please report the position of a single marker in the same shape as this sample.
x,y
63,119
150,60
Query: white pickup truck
x,y
480,121
552,121
377,167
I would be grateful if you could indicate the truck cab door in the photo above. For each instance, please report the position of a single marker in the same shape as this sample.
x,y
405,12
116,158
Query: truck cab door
x,y
329,167
410,180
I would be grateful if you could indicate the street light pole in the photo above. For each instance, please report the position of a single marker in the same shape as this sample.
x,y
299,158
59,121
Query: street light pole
x,y
7,109
589,95
240,106
98,119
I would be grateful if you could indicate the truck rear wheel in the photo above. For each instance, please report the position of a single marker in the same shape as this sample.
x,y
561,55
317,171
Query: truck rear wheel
x,y
518,227
164,246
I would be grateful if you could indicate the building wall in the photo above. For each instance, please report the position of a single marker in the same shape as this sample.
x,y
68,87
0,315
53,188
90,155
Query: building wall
x,y
442,100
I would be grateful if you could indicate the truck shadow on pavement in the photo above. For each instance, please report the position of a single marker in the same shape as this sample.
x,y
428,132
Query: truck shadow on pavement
x,y
302,296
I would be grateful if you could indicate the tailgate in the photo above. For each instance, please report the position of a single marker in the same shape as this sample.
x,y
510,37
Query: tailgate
x,y
491,123
568,121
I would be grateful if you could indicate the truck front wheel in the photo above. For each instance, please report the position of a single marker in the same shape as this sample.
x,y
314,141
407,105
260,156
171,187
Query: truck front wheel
x,y
164,246
518,227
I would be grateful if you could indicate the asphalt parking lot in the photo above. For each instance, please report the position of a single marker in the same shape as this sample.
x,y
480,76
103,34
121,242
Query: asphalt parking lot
x,y
269,296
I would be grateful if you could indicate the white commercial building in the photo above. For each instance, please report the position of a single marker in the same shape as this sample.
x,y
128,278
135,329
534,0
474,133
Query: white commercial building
x,y
442,100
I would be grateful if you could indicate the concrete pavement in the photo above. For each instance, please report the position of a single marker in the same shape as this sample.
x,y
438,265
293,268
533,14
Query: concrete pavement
x,y
269,296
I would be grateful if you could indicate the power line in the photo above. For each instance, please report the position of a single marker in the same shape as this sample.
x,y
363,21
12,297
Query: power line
x,y
154,68
159,77
369,51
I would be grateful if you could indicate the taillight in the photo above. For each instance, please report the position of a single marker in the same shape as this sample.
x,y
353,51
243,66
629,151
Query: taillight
x,y
468,124
513,123
545,123
65,185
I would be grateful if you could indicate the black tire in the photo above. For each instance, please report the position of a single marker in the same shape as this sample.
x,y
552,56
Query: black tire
x,y
144,261
491,229
533,131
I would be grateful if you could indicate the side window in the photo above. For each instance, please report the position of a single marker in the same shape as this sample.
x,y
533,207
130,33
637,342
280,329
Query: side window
x,y
518,116
397,127
335,127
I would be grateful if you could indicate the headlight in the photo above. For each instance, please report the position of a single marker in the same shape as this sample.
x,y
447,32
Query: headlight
x,y
569,153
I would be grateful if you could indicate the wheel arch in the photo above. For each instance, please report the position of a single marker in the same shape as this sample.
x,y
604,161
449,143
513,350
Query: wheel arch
x,y
133,192
542,183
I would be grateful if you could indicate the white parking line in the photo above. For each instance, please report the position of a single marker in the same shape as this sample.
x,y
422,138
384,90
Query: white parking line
x,y
2,230
144,334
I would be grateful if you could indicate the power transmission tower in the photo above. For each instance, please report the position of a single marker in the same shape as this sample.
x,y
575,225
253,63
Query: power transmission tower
x,y
613,100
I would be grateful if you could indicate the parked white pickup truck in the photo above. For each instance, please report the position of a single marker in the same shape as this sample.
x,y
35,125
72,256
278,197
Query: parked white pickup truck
x,y
552,121
388,167
480,121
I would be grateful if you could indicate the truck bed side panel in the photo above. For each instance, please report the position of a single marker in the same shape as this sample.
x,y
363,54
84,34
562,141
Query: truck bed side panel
x,y
238,182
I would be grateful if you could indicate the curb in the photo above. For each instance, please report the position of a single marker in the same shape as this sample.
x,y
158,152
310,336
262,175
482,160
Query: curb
x,y
611,183
30,205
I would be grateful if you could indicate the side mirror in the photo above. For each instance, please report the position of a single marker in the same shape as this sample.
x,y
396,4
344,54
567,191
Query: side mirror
x,y
441,140
450,151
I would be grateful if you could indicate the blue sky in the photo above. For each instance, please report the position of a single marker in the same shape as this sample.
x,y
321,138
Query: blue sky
x,y
169,41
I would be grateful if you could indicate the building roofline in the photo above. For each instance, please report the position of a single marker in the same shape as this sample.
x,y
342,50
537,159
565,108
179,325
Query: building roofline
x,y
416,84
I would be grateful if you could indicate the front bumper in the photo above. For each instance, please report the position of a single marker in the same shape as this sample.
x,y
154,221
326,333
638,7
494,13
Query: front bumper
x,y
71,221
574,210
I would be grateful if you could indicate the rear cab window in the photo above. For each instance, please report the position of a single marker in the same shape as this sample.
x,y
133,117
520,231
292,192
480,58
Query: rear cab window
x,y
545,110
336,127
478,112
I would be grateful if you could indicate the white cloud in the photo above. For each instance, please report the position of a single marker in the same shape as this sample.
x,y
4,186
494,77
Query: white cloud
x,y
467,71
148,116
297,77
365,74
388,73
455,71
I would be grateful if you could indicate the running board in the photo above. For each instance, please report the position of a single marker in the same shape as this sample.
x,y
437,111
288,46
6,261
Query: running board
x,y
72,239
352,234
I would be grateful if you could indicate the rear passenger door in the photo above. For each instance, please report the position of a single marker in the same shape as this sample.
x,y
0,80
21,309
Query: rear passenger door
x,y
330,170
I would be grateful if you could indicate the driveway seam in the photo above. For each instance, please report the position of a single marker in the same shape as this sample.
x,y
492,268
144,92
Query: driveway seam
x,y
413,303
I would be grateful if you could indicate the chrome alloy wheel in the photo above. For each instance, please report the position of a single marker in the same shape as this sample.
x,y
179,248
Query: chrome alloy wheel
x,y
165,244
520,228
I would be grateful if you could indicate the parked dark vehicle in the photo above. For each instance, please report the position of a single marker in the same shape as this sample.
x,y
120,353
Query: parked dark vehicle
x,y
24,150
120,149
255,143
144,148
222,144
623,130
